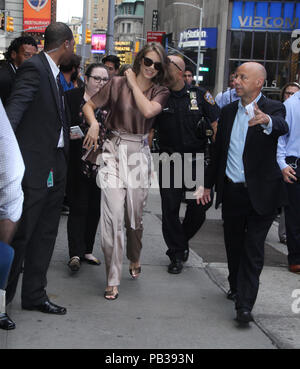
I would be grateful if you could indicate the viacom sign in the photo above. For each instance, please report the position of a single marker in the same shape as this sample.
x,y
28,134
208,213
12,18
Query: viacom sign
x,y
264,15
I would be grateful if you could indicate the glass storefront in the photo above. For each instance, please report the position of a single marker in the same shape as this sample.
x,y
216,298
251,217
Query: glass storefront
x,y
261,31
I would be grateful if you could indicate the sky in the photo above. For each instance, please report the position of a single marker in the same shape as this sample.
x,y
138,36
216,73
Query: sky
x,y
66,9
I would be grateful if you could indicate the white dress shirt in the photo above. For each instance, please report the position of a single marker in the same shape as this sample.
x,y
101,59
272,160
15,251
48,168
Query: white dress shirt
x,y
235,166
55,71
289,144
11,171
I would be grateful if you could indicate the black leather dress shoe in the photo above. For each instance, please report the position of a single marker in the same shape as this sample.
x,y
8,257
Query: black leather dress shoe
x,y
244,316
175,267
231,295
48,308
6,323
185,255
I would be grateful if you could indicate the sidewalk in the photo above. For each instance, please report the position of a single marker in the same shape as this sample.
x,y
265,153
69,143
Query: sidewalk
x,y
158,311
273,309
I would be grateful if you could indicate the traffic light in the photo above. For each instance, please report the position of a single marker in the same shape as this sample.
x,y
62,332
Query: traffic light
x,y
9,24
2,21
88,36
76,39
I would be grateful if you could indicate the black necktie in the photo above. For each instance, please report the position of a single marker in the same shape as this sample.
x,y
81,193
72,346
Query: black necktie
x,y
63,112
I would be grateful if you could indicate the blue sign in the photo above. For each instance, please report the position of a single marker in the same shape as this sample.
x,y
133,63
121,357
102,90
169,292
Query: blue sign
x,y
264,15
190,38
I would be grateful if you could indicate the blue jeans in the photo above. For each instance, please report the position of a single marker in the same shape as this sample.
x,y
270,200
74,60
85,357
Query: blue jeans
x,y
6,259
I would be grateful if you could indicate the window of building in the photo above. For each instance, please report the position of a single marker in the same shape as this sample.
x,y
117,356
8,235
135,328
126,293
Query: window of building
x,y
129,28
272,49
246,44
270,46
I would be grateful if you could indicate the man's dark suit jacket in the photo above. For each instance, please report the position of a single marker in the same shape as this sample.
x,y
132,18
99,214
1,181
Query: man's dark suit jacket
x,y
34,112
263,176
74,100
7,78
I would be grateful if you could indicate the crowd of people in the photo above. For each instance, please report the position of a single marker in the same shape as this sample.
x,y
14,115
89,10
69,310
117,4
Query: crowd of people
x,y
85,141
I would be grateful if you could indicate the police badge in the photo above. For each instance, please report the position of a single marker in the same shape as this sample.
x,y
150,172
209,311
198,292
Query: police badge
x,y
194,102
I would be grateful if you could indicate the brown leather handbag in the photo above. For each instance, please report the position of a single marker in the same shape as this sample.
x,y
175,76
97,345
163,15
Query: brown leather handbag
x,y
89,166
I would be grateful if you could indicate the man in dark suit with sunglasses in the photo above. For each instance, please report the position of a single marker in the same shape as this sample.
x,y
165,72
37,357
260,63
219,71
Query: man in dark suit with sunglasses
x,y
176,133
37,113
248,181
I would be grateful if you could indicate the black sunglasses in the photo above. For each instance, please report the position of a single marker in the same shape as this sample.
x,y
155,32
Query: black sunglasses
x,y
176,65
148,62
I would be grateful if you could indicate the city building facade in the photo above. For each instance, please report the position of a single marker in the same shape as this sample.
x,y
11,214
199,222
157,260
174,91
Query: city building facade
x,y
129,20
15,9
98,14
233,32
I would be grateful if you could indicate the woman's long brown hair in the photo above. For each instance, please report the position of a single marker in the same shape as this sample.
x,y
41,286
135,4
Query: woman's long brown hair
x,y
162,78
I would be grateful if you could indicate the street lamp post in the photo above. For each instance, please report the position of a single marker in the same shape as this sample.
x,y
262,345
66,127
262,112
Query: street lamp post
x,y
200,32
110,28
84,27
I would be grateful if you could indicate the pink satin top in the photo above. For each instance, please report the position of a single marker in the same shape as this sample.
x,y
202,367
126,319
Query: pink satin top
x,y
123,114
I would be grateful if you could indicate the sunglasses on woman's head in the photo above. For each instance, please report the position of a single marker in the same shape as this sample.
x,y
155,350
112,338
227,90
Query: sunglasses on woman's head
x,y
148,62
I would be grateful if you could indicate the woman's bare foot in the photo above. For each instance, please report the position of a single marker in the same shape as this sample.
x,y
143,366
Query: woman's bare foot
x,y
111,293
135,270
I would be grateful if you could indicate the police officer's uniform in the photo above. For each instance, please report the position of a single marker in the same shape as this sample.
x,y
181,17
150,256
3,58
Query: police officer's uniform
x,y
176,133
226,97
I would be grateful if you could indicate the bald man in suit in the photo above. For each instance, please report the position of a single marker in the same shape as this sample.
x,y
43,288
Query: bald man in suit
x,y
248,181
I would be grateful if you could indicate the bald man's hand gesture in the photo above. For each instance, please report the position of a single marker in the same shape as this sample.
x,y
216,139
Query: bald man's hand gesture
x,y
259,117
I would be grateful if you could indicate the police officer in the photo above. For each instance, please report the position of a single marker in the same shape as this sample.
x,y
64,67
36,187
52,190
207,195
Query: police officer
x,y
176,129
288,158
228,96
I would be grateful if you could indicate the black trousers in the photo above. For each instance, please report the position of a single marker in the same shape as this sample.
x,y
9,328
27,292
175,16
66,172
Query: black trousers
x,y
292,221
84,202
245,232
176,233
35,239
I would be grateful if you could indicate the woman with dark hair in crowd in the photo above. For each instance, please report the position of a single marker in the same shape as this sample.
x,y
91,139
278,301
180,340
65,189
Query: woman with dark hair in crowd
x,y
83,192
132,103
